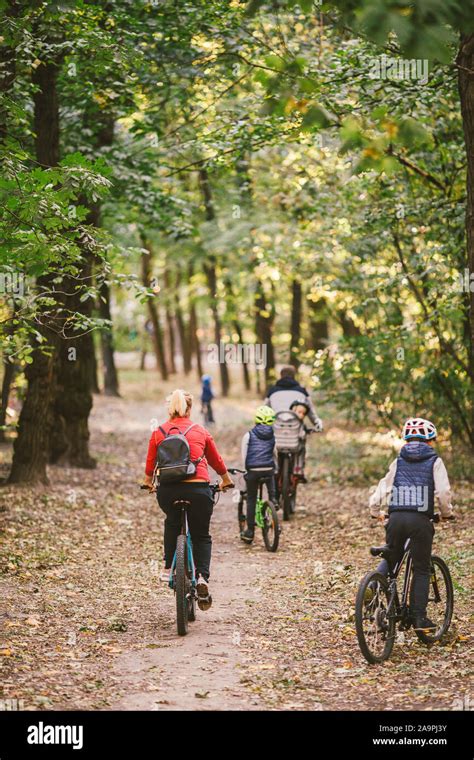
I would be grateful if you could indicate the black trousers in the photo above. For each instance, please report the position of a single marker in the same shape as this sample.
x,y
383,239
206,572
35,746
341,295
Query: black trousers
x,y
253,478
199,518
419,529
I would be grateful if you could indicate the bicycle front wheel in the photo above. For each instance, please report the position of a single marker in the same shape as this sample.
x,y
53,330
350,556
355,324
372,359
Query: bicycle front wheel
x,y
271,528
241,516
181,587
375,624
440,601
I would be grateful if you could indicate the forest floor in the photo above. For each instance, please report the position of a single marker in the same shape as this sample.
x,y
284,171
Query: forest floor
x,y
87,625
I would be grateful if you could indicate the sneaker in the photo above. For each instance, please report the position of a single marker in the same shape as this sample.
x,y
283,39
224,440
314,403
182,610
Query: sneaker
x,y
247,536
424,624
204,598
202,586
165,575
204,602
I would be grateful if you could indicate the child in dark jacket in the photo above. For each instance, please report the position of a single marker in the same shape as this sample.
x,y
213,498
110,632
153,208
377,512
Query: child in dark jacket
x,y
207,396
259,457
410,486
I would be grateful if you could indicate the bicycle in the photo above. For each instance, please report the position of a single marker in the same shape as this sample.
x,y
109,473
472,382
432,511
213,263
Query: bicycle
x,y
266,516
287,434
378,607
182,578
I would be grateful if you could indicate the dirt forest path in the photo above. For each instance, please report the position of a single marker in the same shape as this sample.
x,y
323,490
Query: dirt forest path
x,y
86,624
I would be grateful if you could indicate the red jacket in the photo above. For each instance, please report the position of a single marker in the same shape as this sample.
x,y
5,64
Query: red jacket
x,y
201,443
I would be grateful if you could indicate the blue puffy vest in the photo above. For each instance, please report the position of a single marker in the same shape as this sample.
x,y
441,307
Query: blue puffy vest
x,y
206,392
413,486
260,448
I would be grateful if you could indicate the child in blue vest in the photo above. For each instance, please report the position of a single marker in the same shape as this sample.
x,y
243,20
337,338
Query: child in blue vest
x,y
410,486
206,397
259,457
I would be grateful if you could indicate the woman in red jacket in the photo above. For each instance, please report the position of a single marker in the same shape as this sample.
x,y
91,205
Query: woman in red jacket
x,y
195,489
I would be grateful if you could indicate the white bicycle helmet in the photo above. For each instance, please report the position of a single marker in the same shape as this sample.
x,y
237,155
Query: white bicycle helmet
x,y
417,427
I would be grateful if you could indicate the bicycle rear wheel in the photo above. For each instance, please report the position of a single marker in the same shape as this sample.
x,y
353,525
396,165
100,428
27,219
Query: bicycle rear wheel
x,y
285,495
440,601
271,528
181,587
375,627
293,486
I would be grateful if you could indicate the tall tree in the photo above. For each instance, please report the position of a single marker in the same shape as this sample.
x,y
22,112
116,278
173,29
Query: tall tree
x,y
32,446
147,257
210,269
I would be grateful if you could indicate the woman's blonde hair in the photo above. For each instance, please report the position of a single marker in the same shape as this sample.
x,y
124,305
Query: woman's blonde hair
x,y
179,403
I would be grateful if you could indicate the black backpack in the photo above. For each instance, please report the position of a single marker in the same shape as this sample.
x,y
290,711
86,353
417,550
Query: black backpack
x,y
173,462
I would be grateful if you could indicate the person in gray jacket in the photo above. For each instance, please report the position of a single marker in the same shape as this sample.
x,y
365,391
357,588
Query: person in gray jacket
x,y
286,391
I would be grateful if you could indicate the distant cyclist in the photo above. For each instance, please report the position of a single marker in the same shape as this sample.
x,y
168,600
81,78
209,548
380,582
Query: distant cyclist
x,y
288,394
195,489
414,479
286,391
207,396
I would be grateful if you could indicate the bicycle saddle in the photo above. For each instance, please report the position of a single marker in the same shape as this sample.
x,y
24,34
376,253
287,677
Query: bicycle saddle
x,y
380,551
182,503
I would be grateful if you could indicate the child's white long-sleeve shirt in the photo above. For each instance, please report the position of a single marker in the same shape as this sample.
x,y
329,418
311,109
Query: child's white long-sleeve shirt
x,y
381,496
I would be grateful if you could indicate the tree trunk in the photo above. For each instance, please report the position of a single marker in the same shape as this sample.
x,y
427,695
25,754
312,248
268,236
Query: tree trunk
x,y
245,369
318,323
31,447
210,270
9,370
111,384
170,324
465,62
184,339
195,342
264,318
153,311
295,326
7,71
349,328
75,365
94,378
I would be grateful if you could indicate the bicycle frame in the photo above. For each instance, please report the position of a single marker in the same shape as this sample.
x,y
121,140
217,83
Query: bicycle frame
x,y
189,545
258,507
401,607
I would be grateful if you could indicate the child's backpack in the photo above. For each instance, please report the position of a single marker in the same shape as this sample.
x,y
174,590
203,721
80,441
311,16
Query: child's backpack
x,y
173,462
287,428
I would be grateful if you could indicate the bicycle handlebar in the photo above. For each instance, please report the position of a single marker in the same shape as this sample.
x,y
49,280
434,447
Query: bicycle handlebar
x,y
215,487
435,519
236,471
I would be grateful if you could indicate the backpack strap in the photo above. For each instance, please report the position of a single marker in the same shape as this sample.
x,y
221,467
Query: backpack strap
x,y
195,461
